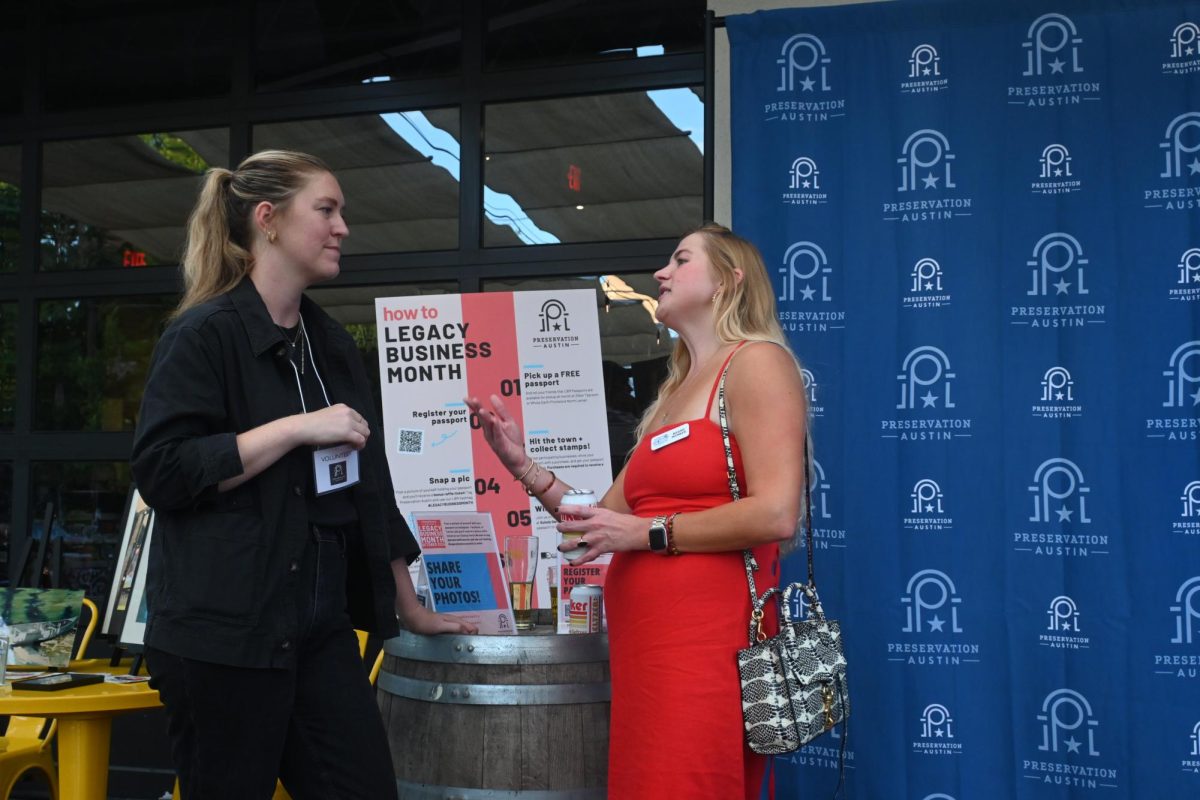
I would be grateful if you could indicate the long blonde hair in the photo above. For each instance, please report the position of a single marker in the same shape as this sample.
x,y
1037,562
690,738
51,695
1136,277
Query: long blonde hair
x,y
219,232
743,310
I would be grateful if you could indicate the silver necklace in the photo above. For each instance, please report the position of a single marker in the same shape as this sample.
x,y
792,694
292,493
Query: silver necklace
x,y
297,341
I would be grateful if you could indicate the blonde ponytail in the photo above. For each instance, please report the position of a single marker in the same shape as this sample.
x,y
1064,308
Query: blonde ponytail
x,y
218,254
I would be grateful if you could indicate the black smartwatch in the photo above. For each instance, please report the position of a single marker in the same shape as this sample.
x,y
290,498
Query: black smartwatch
x,y
658,535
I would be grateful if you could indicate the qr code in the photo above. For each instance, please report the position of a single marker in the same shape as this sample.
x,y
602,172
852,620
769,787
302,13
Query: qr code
x,y
410,441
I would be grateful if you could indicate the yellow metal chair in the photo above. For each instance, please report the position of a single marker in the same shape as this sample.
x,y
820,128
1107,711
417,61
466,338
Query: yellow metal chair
x,y
26,743
280,792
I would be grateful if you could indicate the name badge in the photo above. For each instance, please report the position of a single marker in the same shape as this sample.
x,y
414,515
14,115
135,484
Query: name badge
x,y
335,468
670,437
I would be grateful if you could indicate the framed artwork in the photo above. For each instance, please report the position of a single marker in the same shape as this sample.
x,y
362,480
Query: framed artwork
x,y
135,543
41,624
133,625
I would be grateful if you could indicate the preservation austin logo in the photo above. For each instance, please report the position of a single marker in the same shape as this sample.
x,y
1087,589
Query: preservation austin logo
x,y
927,188
806,295
825,535
1185,614
931,605
1059,495
1062,631
805,93
926,395
1183,397
936,737
1181,165
815,409
1069,753
1057,396
1189,517
1054,172
804,184
1053,67
925,289
1187,287
1058,255
824,753
924,72
1185,52
926,508
554,327
1192,762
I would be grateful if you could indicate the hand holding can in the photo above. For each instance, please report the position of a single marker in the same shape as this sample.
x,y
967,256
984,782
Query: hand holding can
x,y
575,497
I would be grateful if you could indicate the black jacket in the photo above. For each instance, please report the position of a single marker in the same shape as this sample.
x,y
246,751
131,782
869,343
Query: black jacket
x,y
223,565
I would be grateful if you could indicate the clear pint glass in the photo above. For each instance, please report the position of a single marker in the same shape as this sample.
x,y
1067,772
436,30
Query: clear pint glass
x,y
520,568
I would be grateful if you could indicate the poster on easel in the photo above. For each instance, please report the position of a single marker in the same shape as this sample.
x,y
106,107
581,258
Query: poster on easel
x,y
460,569
133,627
139,520
539,352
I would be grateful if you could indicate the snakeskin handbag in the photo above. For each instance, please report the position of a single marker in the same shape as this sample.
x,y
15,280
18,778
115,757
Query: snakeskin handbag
x,y
793,683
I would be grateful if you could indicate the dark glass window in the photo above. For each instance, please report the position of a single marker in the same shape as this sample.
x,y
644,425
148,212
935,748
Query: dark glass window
x,y
634,348
12,58
123,201
85,501
6,492
594,168
10,207
8,365
529,33
116,53
301,44
92,357
398,171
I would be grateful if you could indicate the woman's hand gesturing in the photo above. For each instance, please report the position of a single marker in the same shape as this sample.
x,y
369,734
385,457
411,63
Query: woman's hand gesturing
x,y
500,431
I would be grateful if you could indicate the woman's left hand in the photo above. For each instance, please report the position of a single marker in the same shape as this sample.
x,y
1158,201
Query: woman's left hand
x,y
422,620
604,531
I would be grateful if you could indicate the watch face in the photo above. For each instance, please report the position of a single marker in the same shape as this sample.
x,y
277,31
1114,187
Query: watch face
x,y
658,536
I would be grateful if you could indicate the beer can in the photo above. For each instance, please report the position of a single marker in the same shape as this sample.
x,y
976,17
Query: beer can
x,y
575,497
586,608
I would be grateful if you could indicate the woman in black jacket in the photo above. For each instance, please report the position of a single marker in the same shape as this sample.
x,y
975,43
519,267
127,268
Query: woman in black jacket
x,y
276,526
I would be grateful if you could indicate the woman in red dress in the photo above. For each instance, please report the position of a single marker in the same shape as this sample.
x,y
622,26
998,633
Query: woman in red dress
x,y
676,596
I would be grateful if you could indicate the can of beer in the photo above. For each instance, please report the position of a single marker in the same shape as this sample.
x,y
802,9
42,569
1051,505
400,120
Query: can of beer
x,y
586,608
575,497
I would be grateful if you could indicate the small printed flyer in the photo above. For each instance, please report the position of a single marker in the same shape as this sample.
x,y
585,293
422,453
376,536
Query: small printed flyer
x,y
460,570
592,572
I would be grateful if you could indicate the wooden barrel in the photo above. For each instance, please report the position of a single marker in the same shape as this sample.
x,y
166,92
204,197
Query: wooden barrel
x,y
497,716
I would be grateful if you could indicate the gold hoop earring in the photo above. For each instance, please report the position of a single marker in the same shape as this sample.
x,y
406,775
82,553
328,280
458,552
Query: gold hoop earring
x,y
272,236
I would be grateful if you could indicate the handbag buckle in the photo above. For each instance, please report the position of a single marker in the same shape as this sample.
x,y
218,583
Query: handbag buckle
x,y
757,616
827,696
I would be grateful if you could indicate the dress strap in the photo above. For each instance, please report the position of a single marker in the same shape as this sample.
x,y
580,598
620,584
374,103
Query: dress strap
x,y
713,392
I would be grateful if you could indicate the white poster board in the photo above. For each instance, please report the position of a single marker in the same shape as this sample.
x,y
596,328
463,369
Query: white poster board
x,y
538,351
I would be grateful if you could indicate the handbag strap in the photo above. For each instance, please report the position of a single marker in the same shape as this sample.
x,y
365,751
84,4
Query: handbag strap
x,y
735,491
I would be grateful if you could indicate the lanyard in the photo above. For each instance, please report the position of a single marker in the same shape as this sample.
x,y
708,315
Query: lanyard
x,y
296,372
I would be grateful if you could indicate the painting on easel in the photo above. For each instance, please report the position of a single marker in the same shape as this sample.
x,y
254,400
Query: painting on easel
x,y
41,624
139,523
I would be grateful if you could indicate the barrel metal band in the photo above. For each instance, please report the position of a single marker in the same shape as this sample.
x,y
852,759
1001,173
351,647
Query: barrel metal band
x,y
483,694
424,791
454,649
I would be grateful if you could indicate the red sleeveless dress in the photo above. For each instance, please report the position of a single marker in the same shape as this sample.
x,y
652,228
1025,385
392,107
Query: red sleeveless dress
x,y
675,624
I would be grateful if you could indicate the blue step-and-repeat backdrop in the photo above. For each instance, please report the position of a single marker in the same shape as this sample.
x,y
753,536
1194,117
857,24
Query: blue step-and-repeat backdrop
x,y
983,223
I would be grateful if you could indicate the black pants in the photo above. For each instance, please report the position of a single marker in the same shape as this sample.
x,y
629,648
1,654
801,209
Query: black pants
x,y
316,726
